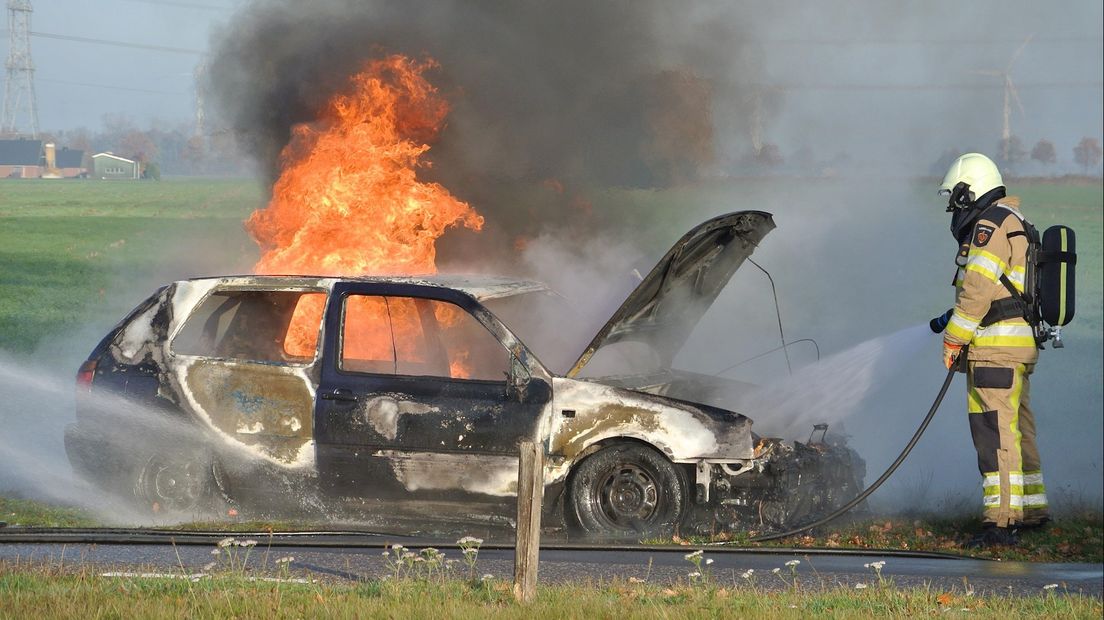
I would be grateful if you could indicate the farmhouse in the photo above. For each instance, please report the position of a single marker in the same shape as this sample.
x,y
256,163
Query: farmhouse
x,y
111,166
70,163
21,159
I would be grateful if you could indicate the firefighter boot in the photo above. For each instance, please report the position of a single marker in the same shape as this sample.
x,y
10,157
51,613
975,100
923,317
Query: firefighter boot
x,y
993,536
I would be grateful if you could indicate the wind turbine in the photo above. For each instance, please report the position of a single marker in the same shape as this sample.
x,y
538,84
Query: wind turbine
x,y
1010,94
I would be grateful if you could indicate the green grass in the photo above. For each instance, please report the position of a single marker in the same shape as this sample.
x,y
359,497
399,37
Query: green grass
x,y
67,247
54,592
30,513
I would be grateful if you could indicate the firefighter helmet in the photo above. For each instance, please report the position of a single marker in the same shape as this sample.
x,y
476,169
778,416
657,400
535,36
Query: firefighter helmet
x,y
977,171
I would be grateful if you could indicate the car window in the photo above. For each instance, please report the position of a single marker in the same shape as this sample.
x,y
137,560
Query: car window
x,y
366,343
418,337
264,326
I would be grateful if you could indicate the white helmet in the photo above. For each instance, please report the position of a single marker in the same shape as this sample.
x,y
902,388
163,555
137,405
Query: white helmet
x,y
975,170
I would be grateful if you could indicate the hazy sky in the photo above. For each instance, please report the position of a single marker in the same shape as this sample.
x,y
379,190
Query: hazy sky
x,y
844,72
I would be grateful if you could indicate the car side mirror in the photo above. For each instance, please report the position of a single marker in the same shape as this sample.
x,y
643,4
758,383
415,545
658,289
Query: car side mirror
x,y
517,380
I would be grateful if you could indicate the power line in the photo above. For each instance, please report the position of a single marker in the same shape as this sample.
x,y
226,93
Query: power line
x,y
126,44
183,5
111,87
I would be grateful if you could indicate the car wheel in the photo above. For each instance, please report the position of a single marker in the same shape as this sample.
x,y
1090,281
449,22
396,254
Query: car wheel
x,y
626,491
178,480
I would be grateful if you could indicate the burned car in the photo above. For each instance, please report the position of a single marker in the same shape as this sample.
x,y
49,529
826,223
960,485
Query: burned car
x,y
410,395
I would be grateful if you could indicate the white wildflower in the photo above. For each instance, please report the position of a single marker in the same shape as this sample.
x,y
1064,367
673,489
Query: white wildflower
x,y
635,580
469,540
860,586
748,573
209,566
287,559
694,575
877,565
1050,586
793,563
487,577
225,542
216,551
776,570
386,554
708,561
693,556
470,551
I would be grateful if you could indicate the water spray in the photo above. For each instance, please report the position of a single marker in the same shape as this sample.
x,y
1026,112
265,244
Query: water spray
x,y
959,364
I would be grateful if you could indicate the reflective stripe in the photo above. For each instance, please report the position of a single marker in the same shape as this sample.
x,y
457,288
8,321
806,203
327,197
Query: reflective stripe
x,y
960,276
1035,500
1017,276
962,326
1062,267
1014,489
985,263
1015,501
1035,477
1005,335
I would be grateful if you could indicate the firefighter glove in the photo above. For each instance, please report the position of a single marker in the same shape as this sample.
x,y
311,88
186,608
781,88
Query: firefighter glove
x,y
951,351
939,323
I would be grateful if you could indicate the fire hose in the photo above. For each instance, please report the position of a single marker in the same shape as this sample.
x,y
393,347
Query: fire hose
x,y
960,363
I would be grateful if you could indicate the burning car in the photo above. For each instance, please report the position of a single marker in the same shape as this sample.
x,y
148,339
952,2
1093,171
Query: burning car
x,y
410,395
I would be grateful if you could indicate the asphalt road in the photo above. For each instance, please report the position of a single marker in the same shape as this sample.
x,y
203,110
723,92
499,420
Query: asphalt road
x,y
353,558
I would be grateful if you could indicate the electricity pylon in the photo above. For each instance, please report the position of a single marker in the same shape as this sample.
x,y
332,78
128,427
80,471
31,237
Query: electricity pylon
x,y
19,90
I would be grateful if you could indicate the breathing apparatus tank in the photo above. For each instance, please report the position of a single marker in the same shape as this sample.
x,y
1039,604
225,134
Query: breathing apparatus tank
x,y
1047,300
1055,261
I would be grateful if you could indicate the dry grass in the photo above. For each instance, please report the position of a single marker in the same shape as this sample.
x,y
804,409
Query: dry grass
x,y
51,592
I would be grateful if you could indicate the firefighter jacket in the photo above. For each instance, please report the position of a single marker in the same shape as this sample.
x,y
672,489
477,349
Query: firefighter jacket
x,y
991,253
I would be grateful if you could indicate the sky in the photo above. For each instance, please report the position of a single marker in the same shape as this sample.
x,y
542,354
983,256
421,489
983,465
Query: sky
x,y
839,73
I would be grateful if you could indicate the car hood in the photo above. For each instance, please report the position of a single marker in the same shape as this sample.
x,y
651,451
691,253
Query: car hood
x,y
667,305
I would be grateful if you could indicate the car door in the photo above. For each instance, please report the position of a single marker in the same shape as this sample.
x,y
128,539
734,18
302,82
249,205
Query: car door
x,y
419,398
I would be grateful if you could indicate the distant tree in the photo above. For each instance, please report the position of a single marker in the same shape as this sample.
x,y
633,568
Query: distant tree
x,y
1087,153
941,165
1011,152
151,171
138,145
1044,152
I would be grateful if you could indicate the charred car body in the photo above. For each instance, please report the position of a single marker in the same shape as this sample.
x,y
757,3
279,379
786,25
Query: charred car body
x,y
410,396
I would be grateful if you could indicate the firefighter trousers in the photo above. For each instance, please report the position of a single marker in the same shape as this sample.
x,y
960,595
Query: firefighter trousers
x,y
1003,429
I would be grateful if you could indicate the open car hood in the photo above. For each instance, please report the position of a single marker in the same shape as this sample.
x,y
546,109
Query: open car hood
x,y
675,295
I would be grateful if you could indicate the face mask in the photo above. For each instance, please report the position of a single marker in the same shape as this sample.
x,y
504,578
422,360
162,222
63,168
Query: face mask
x,y
960,204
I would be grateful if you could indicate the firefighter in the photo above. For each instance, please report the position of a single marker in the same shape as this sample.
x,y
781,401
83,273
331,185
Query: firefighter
x,y
1002,349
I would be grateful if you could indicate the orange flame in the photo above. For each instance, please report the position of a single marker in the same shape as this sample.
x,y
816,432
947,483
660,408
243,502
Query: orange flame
x,y
348,201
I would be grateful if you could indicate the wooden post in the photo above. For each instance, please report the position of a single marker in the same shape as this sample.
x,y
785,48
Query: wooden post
x,y
527,546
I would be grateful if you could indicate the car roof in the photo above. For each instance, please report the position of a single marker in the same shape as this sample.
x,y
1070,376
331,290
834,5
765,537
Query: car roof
x,y
480,287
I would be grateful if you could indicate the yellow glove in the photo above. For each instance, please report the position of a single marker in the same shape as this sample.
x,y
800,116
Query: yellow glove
x,y
950,353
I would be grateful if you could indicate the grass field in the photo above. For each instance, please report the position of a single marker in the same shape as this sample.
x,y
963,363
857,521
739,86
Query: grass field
x,y
77,253
67,247
55,592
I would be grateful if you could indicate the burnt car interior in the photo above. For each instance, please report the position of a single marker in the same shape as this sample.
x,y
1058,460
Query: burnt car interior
x,y
250,325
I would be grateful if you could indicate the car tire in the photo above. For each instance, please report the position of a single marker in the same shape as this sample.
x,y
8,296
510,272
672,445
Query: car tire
x,y
626,490
178,480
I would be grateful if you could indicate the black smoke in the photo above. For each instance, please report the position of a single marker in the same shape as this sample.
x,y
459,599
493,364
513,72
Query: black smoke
x,y
548,98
